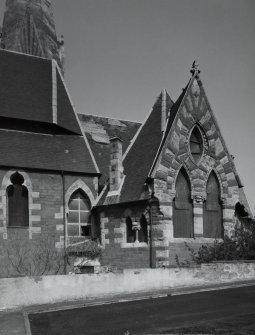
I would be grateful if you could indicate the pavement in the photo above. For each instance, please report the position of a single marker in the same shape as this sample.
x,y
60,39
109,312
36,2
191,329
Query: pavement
x,y
16,322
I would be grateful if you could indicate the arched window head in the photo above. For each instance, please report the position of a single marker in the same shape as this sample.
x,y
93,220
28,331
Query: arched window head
x,y
17,200
196,144
183,207
131,236
79,221
143,232
137,232
212,221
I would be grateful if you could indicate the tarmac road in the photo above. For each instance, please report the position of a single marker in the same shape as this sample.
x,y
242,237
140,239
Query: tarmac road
x,y
230,311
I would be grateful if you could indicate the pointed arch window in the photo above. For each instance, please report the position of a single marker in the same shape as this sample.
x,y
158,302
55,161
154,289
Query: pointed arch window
x,y
183,207
79,220
143,232
17,201
131,235
212,220
196,144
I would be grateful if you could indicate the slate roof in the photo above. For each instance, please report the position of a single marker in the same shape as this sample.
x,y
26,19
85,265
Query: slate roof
x,y
99,130
173,112
139,158
145,150
28,136
26,88
44,151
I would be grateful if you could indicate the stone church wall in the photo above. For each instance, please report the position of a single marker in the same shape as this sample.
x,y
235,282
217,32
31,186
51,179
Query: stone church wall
x,y
116,251
46,227
176,154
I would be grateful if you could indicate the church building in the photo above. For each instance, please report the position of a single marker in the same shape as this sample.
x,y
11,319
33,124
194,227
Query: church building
x,y
142,191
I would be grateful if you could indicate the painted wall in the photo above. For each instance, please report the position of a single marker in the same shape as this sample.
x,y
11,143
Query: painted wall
x,y
19,292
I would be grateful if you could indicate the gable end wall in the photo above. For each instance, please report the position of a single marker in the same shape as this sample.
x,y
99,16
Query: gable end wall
x,y
195,109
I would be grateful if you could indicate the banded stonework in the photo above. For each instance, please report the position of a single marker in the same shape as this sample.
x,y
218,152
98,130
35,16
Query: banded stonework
x,y
34,224
194,111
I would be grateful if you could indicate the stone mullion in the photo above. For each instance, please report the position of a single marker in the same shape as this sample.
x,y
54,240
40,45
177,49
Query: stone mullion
x,y
198,220
228,213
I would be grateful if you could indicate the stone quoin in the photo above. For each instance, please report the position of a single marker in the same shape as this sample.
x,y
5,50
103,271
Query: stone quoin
x,y
141,191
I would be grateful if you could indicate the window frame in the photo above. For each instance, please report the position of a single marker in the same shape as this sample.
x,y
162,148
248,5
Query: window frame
x,y
26,213
137,233
79,211
202,144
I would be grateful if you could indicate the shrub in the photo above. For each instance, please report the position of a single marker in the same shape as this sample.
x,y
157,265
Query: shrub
x,y
239,247
37,257
89,249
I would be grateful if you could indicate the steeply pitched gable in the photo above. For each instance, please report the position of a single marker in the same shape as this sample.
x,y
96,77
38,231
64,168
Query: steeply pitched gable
x,y
27,91
140,155
139,158
193,109
38,120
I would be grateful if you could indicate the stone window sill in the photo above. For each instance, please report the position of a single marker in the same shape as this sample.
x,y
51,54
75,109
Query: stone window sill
x,y
135,245
17,227
195,240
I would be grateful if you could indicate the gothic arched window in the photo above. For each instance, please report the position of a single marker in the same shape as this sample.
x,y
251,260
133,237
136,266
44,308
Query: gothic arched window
x,y
17,200
183,207
196,144
131,236
143,232
213,225
79,223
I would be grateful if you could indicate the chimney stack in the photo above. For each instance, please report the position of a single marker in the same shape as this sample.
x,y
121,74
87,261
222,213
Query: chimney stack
x,y
116,166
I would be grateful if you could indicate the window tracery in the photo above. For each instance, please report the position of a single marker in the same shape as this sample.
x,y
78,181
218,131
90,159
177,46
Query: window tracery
x,y
79,223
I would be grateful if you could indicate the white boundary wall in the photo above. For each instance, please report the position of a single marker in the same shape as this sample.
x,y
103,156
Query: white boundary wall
x,y
20,292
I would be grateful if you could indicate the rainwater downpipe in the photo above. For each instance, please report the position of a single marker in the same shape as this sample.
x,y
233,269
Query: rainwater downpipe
x,y
64,222
151,236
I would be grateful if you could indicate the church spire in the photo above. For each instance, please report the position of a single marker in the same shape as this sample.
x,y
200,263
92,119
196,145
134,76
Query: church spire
x,y
29,27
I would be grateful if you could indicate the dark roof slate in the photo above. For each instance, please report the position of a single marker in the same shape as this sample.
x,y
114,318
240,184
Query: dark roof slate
x,y
139,159
46,152
171,117
99,130
65,113
28,136
26,88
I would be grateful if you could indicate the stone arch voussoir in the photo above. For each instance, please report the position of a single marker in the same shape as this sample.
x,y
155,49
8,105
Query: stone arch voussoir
x,y
79,184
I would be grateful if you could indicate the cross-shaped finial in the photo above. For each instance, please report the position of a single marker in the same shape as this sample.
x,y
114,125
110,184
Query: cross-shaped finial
x,y
194,69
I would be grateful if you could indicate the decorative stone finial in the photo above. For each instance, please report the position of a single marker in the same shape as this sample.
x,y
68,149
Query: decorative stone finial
x,y
194,69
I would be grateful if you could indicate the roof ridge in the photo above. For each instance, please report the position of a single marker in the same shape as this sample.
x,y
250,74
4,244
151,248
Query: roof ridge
x,y
169,120
141,127
109,118
24,54
76,116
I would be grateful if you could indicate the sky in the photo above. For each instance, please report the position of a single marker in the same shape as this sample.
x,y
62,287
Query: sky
x,y
120,54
